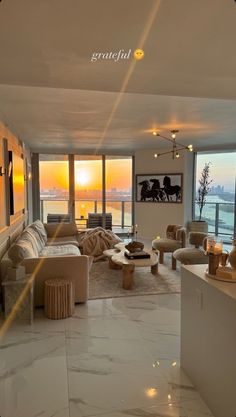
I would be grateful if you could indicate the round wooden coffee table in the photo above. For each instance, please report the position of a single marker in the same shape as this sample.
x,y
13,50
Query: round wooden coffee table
x,y
128,265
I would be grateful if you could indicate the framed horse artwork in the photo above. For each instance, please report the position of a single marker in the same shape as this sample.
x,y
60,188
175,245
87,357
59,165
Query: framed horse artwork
x,y
159,188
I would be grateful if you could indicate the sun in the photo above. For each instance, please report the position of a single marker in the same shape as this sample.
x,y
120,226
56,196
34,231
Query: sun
x,y
82,177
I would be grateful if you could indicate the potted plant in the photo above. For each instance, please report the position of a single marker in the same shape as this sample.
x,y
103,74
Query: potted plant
x,y
203,190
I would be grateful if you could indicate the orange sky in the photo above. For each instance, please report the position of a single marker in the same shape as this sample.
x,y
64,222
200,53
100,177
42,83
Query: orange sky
x,y
88,174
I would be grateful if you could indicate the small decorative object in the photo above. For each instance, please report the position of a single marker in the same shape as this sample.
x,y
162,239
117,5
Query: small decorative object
x,y
134,246
232,255
227,272
16,272
224,258
214,251
159,188
141,254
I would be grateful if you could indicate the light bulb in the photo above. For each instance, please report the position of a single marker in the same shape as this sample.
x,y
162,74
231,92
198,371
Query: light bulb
x,y
154,133
190,148
155,155
177,155
173,135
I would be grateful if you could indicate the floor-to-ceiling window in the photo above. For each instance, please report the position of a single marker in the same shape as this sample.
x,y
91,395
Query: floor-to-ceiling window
x,y
119,189
88,186
219,210
102,184
54,184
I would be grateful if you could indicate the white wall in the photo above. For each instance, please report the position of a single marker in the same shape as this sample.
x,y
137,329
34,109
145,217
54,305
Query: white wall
x,y
152,218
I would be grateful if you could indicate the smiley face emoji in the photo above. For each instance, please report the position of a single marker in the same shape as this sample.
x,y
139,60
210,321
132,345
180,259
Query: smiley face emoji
x,y
138,54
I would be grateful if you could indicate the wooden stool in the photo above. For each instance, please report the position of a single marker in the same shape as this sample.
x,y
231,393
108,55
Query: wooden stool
x,y
59,300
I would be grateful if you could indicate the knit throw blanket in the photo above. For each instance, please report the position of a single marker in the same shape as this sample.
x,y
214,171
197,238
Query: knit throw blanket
x,y
97,240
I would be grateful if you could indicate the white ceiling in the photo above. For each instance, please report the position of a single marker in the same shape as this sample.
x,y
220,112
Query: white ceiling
x,y
54,98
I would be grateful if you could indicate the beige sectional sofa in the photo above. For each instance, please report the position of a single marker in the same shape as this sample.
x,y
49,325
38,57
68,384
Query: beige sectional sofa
x,y
50,251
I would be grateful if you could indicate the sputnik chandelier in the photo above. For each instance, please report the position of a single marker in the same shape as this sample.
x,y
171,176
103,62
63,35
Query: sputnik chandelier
x,y
176,146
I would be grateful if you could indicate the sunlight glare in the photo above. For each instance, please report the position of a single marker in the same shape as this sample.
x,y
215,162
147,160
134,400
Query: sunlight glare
x,y
82,177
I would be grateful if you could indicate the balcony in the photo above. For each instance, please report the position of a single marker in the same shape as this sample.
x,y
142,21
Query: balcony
x,y
121,211
220,218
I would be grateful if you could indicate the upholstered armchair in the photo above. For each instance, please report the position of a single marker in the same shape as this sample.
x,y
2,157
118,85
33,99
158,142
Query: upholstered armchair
x,y
175,239
195,254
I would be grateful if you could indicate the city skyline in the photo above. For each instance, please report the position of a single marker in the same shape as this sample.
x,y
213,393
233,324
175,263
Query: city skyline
x,y
222,169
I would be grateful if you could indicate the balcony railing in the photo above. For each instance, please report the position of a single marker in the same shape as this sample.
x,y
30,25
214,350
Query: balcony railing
x,y
220,218
121,210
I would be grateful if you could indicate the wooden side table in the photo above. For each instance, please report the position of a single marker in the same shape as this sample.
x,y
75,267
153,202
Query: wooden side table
x,y
19,298
59,298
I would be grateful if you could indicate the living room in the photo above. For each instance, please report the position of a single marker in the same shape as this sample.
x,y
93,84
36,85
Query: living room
x,y
100,102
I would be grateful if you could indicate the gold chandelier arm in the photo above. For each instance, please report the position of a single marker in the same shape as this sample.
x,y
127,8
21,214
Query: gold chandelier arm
x,y
164,137
165,153
170,140
173,150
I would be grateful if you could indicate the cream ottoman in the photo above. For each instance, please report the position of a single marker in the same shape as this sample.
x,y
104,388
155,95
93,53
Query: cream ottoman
x,y
190,256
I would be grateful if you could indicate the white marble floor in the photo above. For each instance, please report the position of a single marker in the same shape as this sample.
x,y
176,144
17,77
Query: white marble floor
x,y
115,358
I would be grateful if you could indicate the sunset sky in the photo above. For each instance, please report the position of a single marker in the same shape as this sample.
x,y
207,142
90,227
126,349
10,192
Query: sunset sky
x,y
88,174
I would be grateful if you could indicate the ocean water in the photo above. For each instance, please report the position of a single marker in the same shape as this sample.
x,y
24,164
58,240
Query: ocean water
x,y
226,214
85,207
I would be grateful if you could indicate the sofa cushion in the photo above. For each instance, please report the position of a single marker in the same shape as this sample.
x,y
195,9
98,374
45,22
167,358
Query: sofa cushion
x,y
63,250
39,228
60,229
64,240
31,235
20,250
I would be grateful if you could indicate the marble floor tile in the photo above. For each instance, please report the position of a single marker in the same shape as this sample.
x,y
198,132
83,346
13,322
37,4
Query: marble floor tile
x,y
114,358
35,385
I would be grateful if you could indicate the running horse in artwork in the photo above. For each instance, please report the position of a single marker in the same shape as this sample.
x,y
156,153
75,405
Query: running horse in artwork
x,y
157,190
171,189
147,192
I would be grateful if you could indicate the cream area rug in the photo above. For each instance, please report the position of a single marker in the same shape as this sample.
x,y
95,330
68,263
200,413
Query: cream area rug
x,y
107,283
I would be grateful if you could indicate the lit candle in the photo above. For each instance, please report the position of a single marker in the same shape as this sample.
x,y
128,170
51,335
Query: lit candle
x,y
218,248
136,228
214,247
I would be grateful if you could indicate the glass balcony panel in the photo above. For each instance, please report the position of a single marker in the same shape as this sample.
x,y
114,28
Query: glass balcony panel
x,y
53,207
114,207
128,213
